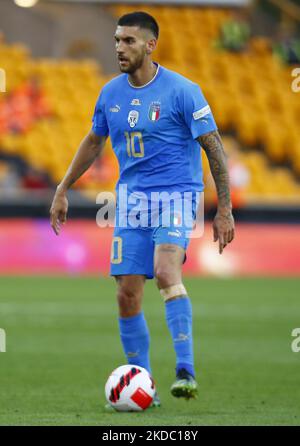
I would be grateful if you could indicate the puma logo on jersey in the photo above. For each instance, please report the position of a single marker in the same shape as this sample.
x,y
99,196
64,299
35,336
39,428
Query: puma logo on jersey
x,y
115,109
175,233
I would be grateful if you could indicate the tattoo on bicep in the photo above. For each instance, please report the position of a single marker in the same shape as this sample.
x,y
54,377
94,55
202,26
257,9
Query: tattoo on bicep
x,y
213,147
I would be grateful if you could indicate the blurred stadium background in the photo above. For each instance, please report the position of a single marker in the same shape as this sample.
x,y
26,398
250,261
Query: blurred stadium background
x,y
56,55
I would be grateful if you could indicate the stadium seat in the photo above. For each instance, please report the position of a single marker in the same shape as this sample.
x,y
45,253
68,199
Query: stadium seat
x,y
249,94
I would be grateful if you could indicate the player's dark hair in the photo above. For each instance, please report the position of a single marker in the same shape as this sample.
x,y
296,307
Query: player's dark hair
x,y
141,19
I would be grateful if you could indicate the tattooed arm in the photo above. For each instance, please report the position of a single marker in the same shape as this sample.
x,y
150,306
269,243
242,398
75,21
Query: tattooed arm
x,y
223,224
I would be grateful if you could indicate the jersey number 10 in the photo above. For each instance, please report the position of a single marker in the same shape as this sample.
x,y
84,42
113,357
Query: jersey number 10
x,y
133,139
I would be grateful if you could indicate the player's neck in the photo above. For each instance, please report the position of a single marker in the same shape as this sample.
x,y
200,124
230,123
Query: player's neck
x,y
143,75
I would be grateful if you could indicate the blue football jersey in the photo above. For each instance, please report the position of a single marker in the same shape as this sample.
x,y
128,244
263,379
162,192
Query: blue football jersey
x,y
153,130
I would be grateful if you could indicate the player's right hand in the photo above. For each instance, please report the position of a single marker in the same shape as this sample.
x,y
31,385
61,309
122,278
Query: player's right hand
x,y
223,227
58,211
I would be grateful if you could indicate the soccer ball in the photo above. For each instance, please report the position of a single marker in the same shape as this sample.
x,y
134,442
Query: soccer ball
x,y
130,388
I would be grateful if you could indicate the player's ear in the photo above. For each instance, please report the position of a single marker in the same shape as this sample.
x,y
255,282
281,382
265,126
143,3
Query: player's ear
x,y
150,46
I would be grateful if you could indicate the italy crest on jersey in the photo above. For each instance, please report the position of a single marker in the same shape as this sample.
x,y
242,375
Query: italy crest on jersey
x,y
154,111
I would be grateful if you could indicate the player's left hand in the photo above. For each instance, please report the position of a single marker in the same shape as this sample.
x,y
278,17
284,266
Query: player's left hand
x,y
223,226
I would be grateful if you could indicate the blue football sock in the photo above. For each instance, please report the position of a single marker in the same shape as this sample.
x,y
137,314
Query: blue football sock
x,y
179,320
135,340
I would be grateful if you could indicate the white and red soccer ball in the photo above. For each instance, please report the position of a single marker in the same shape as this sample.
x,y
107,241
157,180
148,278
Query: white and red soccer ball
x,y
130,388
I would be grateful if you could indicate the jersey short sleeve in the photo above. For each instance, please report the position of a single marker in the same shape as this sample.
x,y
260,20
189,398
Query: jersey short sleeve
x,y
196,111
100,126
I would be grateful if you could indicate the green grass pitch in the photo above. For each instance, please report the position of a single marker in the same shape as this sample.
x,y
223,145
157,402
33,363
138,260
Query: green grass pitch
x,y
63,341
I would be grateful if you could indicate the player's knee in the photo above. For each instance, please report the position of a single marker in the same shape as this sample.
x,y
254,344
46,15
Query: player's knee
x,y
164,276
129,302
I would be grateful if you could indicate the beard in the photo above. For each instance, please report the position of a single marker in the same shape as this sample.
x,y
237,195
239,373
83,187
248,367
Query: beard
x,y
132,66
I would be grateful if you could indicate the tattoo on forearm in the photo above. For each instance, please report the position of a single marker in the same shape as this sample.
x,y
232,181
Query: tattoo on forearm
x,y
212,144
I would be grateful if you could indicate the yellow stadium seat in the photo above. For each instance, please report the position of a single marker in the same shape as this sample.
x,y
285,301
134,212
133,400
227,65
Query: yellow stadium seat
x,y
249,94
